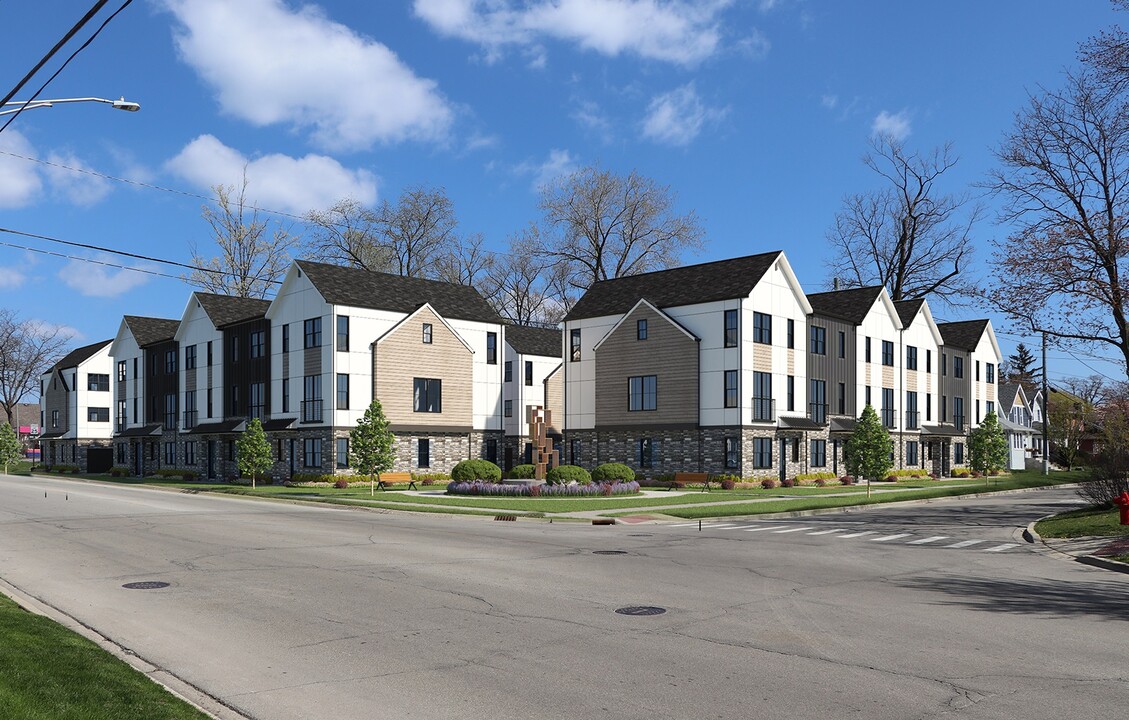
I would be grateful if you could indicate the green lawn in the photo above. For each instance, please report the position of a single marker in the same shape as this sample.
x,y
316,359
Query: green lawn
x,y
1083,523
50,673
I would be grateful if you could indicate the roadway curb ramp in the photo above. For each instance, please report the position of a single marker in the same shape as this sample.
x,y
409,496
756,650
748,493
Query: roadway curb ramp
x,y
1031,536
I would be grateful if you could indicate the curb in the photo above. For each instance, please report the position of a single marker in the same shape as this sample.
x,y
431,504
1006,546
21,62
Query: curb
x,y
1104,564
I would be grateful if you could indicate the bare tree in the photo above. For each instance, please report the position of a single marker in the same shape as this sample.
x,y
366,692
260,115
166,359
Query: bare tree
x,y
348,233
600,225
1065,167
468,262
251,260
520,286
1091,390
909,236
27,350
1108,53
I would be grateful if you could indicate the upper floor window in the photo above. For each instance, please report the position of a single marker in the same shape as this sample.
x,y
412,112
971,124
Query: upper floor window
x,y
642,392
818,340
944,364
427,333
928,361
342,333
958,366
312,330
641,329
574,345
977,371
868,349
190,357
170,361
509,371
731,389
121,370
730,328
258,344
911,357
887,353
762,328
842,344
990,372
235,348
209,357
98,382
286,338
491,348
427,395
507,408
342,391
528,372
791,333
98,414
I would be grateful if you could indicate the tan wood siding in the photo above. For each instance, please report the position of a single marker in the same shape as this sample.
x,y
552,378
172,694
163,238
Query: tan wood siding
x,y
554,396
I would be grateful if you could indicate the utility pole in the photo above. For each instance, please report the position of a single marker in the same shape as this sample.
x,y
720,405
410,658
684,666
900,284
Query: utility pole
x,y
1046,420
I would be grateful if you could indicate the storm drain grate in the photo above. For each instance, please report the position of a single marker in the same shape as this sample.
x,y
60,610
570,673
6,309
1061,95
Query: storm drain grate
x,y
609,552
146,585
641,610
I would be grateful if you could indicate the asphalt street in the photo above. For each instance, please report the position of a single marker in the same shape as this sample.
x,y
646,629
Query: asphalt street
x,y
292,611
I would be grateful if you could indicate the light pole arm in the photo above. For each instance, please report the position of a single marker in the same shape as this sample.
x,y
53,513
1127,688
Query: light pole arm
x,y
21,105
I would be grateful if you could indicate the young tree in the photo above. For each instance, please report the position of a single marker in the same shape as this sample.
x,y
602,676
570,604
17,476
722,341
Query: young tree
x,y
10,449
251,260
909,236
253,451
868,449
987,446
371,448
27,349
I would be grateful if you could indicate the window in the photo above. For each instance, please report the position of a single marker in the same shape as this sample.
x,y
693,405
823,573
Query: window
x,y
977,372
234,407
842,400
508,408
990,372
643,392
311,399
958,453
491,348
342,391
958,366
791,333
574,345
427,333
189,409
928,361
342,333
235,348
887,353
529,372
423,452
730,388
209,357
762,328
170,361
170,453
153,366
944,408
911,357
286,395
98,382
977,411
928,407
641,329
286,338
958,412
311,452
189,452
732,452
170,411
944,364
911,453
730,328
911,410
190,357
762,453
98,414
121,418
257,407
817,400
509,371
989,407
868,349
888,407
762,396
427,395
818,340
490,451
791,393
312,330
574,452
258,344
819,453
342,452
645,453
527,453
121,370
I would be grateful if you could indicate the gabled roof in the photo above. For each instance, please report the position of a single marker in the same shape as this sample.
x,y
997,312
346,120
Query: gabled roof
x,y
225,310
526,340
964,335
1008,393
686,285
354,287
646,303
150,331
908,309
851,304
79,355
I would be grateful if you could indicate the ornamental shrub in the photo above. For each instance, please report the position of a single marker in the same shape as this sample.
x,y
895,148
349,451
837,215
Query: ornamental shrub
x,y
341,484
471,470
847,480
728,484
613,472
768,483
565,474
521,472
500,490
787,482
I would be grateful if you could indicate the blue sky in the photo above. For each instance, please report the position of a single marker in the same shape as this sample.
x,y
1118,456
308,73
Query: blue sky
x,y
755,112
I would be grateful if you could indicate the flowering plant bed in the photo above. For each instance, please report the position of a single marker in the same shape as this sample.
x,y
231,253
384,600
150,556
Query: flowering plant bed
x,y
500,490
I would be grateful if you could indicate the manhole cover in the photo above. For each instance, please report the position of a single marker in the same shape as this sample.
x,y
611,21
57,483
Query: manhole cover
x,y
609,552
146,585
641,610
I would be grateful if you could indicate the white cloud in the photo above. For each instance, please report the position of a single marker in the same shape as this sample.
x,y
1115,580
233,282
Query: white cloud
x,y
677,31
20,184
677,117
557,165
271,64
591,116
277,182
80,188
829,101
94,280
756,44
10,278
895,126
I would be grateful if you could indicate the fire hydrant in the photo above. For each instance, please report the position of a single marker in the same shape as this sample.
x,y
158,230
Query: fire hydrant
x,y
1122,503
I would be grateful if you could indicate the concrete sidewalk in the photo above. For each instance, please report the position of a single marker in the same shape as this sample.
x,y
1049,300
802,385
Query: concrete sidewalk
x,y
1094,551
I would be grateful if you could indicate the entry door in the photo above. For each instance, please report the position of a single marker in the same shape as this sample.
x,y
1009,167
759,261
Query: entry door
x,y
783,459
293,456
509,459
945,459
211,459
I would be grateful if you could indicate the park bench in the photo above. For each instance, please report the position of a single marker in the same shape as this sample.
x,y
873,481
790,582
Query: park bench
x,y
690,478
385,480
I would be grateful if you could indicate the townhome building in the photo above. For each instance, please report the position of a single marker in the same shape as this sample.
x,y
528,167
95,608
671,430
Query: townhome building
x,y
532,354
920,348
969,359
146,385
699,367
75,401
430,351
1016,418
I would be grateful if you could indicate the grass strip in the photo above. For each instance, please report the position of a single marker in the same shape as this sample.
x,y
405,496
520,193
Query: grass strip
x,y
48,672
1087,522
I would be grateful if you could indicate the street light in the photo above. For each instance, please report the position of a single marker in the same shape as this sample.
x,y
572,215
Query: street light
x,y
119,104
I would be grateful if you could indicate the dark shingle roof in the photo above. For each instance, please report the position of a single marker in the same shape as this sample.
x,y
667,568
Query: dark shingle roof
x,y
534,340
381,291
851,305
78,355
150,331
224,310
964,335
687,285
908,309
1006,393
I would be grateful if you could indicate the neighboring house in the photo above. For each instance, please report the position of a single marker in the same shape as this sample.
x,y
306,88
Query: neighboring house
x,y
75,401
1037,413
532,354
699,367
146,385
969,360
1016,418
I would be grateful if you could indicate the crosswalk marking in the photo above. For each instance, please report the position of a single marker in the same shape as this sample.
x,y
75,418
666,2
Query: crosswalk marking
x,y
826,532
685,524
965,543
796,529
924,541
766,527
890,537
721,527
1000,548
730,527
858,534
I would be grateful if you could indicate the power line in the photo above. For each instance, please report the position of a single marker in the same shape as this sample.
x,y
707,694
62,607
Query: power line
x,y
96,262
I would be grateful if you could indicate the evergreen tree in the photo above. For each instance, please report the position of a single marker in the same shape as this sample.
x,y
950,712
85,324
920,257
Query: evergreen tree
x,y
1021,365
371,443
10,449
987,446
867,452
253,448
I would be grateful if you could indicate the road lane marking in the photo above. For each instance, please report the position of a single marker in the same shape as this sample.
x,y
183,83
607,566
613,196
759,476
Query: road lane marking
x,y
924,541
685,524
719,527
965,543
825,532
796,529
887,538
858,534
766,527
1000,548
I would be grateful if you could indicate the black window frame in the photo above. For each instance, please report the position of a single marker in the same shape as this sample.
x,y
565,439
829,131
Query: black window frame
x,y
341,452
643,393
762,328
888,353
427,334
257,344
641,329
423,452
427,395
508,371
791,334
762,453
342,333
529,373
958,366
730,328
732,452
311,333
574,345
911,357
342,393
818,450
818,337
491,348
98,382
190,357
732,396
